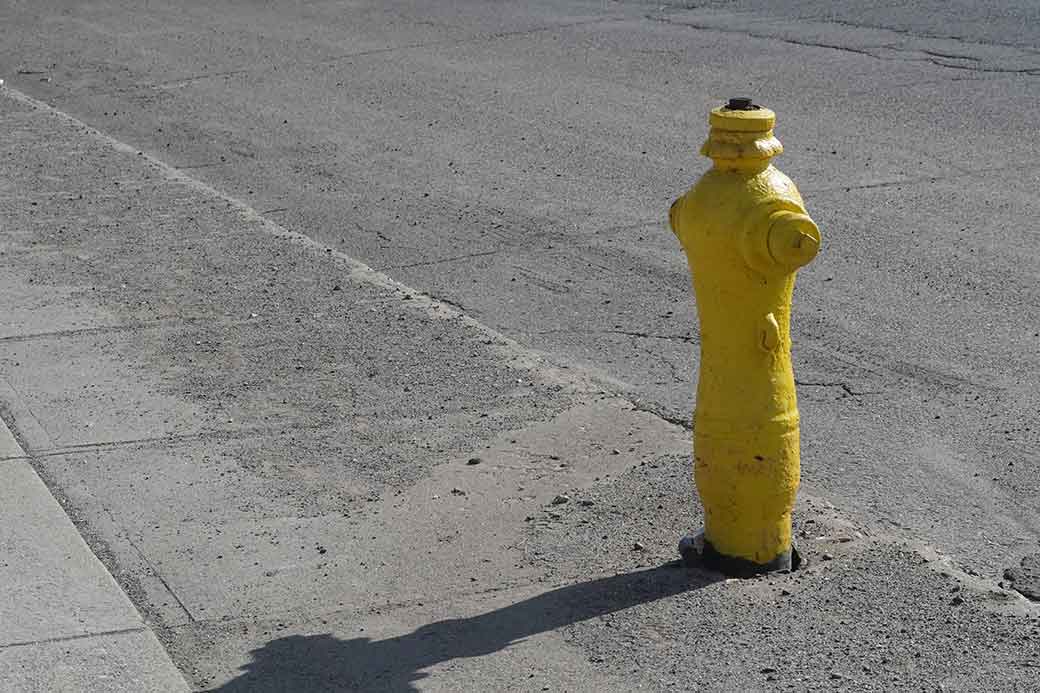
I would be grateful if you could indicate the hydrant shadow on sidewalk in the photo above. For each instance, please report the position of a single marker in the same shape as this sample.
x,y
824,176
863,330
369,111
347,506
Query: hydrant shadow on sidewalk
x,y
324,663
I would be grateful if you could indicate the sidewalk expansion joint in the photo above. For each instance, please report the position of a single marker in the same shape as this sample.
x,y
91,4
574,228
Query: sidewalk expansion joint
x,y
81,331
222,434
154,570
82,636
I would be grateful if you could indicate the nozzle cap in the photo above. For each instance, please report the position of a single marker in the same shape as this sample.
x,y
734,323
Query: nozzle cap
x,y
793,239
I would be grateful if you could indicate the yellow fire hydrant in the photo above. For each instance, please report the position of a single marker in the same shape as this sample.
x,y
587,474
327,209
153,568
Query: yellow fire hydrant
x,y
745,232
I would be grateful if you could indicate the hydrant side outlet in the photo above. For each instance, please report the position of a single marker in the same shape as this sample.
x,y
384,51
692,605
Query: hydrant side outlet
x,y
745,232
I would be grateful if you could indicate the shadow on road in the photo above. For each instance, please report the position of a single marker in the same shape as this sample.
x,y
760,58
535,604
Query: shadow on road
x,y
309,664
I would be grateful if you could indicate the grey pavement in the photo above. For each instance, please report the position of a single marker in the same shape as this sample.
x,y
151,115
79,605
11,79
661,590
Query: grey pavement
x,y
275,276
65,624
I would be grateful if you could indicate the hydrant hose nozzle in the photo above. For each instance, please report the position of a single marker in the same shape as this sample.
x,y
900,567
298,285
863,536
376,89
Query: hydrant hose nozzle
x,y
745,232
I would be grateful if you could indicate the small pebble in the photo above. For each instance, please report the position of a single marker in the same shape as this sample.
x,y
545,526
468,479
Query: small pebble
x,y
474,460
561,499
637,546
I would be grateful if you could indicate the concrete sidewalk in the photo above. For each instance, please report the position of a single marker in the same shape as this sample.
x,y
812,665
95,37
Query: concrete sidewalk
x,y
309,477
65,624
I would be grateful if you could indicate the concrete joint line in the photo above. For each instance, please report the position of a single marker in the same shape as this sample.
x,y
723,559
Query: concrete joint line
x,y
66,638
81,331
155,571
219,434
21,424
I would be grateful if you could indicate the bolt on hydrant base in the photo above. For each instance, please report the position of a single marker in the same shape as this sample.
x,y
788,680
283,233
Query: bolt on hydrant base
x,y
745,232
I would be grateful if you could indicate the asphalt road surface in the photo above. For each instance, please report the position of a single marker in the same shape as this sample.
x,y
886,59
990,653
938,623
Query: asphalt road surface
x,y
514,162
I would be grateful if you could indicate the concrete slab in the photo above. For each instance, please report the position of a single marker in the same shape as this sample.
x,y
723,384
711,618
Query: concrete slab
x,y
9,447
126,662
601,626
32,310
54,585
236,527
201,346
76,388
507,638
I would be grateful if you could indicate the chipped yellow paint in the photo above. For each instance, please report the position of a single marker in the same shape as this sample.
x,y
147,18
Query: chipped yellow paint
x,y
745,232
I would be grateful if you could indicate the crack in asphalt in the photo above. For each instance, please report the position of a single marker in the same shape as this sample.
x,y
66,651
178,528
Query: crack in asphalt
x,y
689,339
752,34
667,362
954,56
932,57
848,390
679,7
1032,71
922,35
682,422
426,263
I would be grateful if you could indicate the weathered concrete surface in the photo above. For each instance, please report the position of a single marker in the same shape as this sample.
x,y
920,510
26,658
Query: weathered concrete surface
x,y
54,586
217,412
435,142
128,662
65,625
352,489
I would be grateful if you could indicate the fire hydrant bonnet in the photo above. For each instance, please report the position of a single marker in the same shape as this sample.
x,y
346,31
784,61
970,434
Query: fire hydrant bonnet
x,y
741,135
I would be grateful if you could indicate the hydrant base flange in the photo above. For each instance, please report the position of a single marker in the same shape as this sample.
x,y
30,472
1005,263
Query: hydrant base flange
x,y
697,552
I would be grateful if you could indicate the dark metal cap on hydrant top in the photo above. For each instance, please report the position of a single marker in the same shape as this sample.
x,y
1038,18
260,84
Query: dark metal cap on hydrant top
x,y
741,103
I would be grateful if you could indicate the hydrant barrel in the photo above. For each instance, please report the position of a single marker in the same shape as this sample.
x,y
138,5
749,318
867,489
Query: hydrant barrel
x,y
745,232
